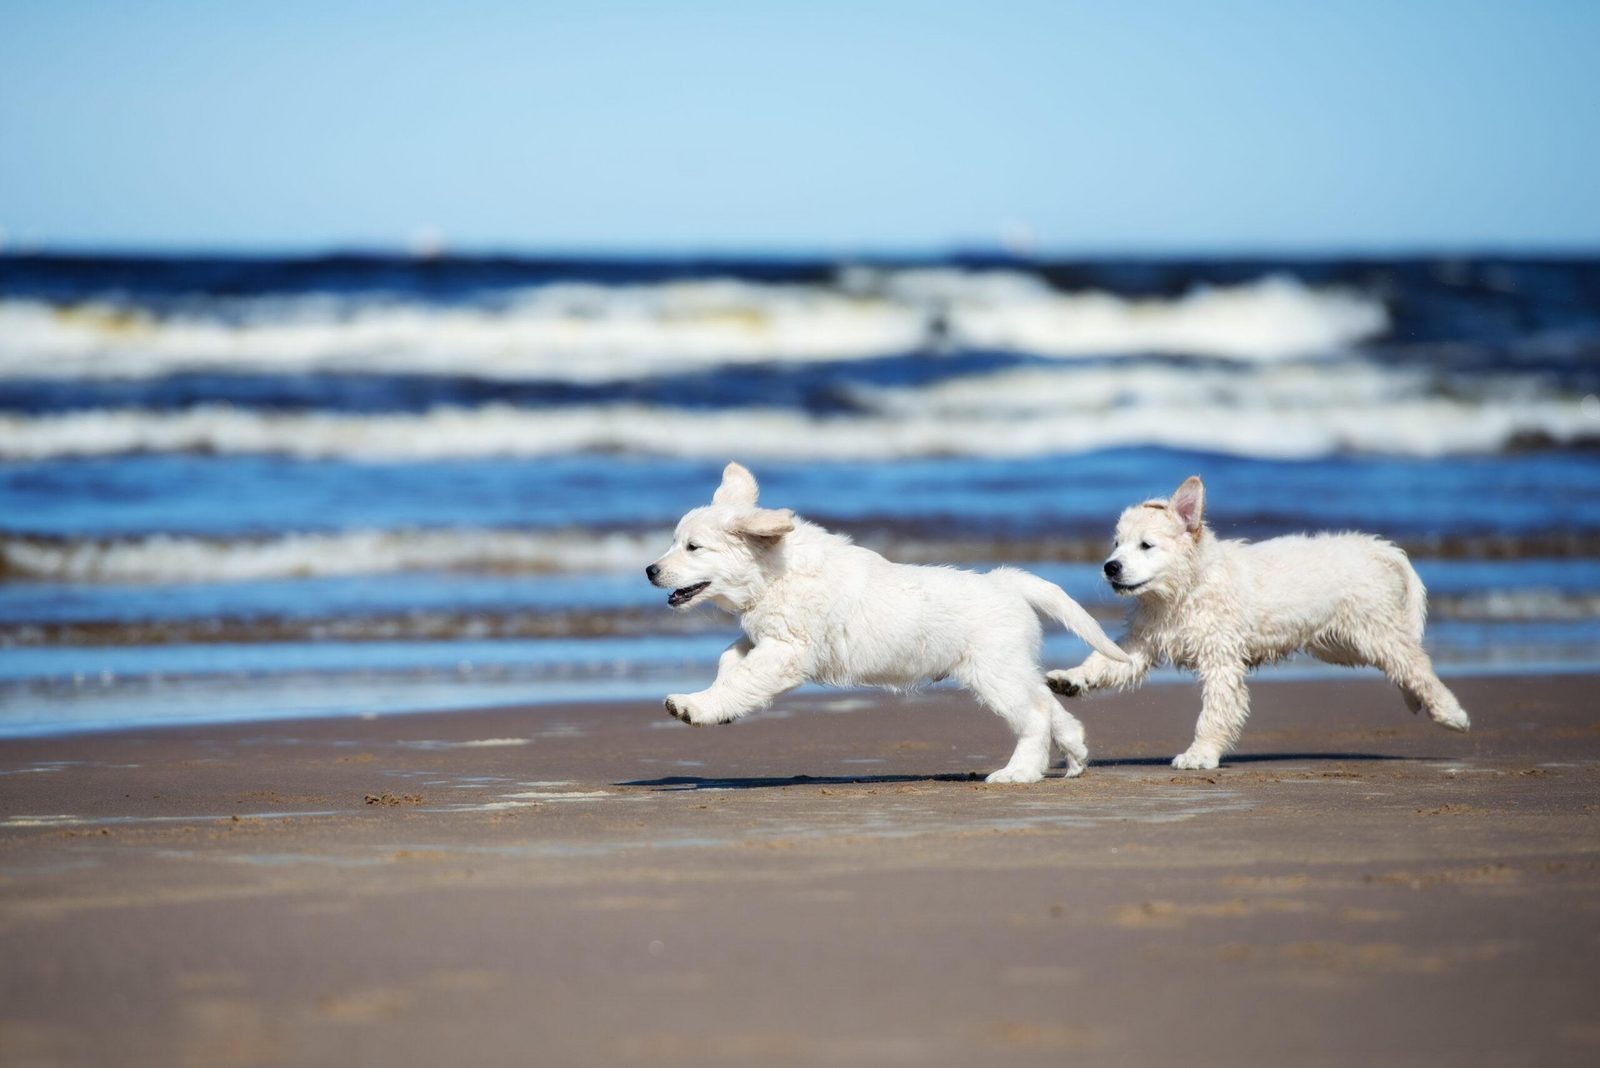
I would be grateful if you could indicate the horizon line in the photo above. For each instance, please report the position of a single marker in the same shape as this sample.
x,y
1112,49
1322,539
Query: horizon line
x,y
953,251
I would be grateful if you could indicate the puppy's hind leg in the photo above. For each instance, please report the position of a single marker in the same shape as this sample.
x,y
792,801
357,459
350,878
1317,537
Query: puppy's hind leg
x,y
1334,649
1016,695
1067,733
1409,668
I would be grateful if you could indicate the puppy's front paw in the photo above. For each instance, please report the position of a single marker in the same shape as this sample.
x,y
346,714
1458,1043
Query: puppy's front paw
x,y
679,707
1066,683
1197,758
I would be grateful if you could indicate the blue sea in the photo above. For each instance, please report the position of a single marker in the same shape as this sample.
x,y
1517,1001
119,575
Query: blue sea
x,y
246,487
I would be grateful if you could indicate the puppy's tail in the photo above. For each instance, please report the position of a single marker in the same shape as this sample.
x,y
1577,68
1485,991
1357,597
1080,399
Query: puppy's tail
x,y
1052,600
1415,599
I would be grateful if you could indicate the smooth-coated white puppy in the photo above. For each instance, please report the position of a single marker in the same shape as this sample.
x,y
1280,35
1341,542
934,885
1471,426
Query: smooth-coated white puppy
x,y
815,608
1220,608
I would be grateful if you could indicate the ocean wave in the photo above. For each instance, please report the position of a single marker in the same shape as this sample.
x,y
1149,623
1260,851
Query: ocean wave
x,y
1203,390
591,333
1489,606
407,627
1510,606
179,559
1274,318
1358,422
168,558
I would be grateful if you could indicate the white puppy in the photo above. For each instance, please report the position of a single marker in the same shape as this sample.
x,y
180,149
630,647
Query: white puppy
x,y
815,608
1220,608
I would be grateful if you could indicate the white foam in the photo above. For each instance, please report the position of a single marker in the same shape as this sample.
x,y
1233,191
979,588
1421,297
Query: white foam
x,y
165,558
1271,319
1542,605
169,558
1058,393
580,332
1349,419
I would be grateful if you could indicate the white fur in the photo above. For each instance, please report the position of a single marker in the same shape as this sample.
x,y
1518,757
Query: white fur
x,y
815,608
1219,608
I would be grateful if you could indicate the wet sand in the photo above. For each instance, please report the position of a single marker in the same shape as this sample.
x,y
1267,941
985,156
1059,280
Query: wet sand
x,y
821,884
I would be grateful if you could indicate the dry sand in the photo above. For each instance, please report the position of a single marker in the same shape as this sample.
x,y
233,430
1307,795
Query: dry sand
x,y
822,884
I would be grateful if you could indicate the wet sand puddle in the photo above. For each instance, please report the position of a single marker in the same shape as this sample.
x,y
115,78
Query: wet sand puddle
x,y
875,816
68,820
45,767
908,818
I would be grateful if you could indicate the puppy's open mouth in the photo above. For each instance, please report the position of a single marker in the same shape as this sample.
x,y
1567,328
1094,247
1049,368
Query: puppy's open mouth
x,y
1126,587
684,594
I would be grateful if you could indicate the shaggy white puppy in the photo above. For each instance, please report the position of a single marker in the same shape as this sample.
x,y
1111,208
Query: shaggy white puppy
x,y
1220,608
815,608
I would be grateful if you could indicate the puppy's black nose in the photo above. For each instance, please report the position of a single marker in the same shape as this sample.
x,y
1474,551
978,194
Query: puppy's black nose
x,y
651,572
1113,568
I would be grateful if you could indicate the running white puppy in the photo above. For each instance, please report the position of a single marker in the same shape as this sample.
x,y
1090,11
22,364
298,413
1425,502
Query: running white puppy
x,y
1220,608
815,608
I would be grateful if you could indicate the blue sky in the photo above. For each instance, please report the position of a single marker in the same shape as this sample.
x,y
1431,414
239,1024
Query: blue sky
x,y
819,126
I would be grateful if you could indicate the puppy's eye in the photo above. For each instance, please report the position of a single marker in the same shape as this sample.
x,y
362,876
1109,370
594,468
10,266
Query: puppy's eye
x,y
1146,546
692,547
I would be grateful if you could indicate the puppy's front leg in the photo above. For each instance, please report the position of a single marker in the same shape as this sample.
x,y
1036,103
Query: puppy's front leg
x,y
1226,706
1100,672
749,676
684,706
732,655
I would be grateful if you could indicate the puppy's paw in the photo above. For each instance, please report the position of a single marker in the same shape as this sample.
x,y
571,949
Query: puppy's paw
x,y
1075,766
1015,775
679,707
1197,758
1066,683
1454,719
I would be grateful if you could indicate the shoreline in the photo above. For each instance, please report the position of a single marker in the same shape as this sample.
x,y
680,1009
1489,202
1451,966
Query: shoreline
x,y
491,693
825,883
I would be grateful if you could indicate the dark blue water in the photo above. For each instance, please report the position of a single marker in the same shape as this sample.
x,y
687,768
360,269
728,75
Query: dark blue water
x,y
1512,495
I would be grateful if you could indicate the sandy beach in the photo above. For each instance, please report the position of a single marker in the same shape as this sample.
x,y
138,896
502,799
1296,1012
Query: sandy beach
x,y
825,883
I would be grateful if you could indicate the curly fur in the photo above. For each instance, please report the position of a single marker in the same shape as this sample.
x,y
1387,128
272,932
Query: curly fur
x,y
1219,608
815,608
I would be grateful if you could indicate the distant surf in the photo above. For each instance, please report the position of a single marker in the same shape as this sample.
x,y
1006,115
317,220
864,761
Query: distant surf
x,y
587,332
1247,425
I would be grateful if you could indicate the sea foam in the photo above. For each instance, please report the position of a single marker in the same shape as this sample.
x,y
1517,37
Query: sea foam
x,y
166,558
1362,422
590,333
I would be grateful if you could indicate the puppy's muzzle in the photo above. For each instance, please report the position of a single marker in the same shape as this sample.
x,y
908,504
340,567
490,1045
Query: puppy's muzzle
x,y
1113,569
653,572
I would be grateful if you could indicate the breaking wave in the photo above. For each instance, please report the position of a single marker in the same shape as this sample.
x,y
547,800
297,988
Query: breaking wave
x,y
175,558
1046,419
584,332
1525,605
1491,606
180,559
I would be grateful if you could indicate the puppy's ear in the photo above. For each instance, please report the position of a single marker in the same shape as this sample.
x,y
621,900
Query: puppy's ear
x,y
764,523
738,487
1190,503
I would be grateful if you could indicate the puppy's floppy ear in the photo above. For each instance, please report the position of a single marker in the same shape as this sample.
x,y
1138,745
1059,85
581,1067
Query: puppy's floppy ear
x,y
1190,503
764,523
738,487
